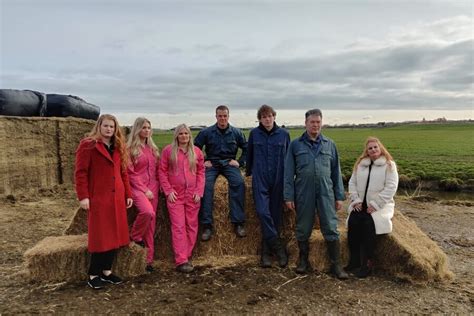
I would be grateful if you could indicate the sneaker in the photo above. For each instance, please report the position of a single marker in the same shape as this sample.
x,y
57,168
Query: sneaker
x,y
96,283
206,234
149,268
111,278
185,268
240,230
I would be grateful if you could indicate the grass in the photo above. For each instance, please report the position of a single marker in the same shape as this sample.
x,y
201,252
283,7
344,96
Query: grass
x,y
428,152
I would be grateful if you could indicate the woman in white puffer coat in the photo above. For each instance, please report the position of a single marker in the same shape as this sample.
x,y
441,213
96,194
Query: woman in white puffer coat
x,y
372,186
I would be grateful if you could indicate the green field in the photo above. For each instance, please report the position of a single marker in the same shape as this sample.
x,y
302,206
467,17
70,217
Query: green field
x,y
430,152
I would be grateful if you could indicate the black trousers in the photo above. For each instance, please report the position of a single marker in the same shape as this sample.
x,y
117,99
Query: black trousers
x,y
101,261
361,236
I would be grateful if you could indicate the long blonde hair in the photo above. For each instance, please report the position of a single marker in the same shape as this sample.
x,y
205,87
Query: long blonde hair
x,y
134,144
365,154
189,148
118,139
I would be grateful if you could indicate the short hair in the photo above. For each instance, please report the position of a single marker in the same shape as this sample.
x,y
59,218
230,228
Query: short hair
x,y
222,108
316,112
265,109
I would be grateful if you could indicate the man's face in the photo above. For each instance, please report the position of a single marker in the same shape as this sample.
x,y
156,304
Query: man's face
x,y
222,117
313,125
267,120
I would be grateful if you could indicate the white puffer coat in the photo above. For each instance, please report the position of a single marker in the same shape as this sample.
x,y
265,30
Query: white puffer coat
x,y
382,188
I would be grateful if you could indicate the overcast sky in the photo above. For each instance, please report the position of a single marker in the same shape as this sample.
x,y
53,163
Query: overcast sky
x,y
185,57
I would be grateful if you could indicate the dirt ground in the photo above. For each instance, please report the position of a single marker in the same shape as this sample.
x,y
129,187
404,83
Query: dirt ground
x,y
236,285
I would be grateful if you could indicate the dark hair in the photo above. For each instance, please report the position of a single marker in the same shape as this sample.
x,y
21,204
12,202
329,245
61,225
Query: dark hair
x,y
316,112
222,108
265,109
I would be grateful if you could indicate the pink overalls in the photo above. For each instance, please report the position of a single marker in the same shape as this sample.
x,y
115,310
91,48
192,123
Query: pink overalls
x,y
184,212
143,176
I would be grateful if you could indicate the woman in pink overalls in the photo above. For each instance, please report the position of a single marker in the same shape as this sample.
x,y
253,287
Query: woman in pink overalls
x,y
143,177
182,181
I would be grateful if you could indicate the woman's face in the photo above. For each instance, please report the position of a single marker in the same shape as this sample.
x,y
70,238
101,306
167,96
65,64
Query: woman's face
x,y
145,132
373,150
107,129
183,137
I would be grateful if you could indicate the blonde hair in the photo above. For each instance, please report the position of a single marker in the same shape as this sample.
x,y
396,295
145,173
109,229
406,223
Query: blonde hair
x,y
118,139
134,144
189,147
365,154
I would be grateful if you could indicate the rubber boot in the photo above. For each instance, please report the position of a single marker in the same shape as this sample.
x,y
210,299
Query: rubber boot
x,y
265,259
334,257
278,248
303,266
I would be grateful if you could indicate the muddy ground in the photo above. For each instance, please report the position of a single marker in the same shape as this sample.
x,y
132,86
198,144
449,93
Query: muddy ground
x,y
232,285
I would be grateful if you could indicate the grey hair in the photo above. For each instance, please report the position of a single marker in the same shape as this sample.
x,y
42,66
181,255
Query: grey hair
x,y
316,112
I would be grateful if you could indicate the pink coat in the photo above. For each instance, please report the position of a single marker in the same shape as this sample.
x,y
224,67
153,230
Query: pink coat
x,y
143,173
181,179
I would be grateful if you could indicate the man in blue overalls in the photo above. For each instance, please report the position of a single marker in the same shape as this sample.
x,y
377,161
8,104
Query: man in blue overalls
x,y
313,186
266,154
221,142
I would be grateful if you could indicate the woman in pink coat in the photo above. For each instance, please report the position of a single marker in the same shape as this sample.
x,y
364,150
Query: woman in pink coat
x,y
102,188
182,181
143,175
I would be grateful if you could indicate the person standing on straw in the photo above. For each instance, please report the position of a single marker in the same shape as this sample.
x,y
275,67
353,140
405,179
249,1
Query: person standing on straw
x,y
103,189
313,186
221,142
182,181
372,186
267,147
144,182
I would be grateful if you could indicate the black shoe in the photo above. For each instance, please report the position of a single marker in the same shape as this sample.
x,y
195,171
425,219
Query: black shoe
x,y
149,268
240,231
185,268
206,234
96,283
111,278
365,269
352,267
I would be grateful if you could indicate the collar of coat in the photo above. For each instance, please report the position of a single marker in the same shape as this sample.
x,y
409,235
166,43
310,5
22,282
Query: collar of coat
x,y
305,137
378,162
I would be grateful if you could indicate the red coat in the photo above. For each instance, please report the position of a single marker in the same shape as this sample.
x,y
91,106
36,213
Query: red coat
x,y
102,179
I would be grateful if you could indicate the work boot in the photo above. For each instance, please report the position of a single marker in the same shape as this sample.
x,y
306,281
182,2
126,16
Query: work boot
x,y
303,266
334,256
265,259
206,233
278,248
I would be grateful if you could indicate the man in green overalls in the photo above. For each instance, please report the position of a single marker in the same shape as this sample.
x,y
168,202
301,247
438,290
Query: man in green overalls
x,y
313,185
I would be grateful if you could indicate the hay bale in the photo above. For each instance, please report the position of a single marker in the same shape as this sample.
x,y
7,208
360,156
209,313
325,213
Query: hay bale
x,y
65,258
409,254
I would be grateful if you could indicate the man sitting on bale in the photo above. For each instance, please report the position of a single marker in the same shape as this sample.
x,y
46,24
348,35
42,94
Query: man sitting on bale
x,y
221,142
267,148
313,185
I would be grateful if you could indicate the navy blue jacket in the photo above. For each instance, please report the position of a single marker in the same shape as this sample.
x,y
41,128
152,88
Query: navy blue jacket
x,y
220,147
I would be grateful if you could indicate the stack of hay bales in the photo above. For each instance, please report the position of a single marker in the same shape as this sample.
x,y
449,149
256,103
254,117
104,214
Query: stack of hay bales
x,y
406,253
65,258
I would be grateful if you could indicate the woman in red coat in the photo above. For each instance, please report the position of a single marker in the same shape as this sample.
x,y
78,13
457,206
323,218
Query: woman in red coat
x,y
103,189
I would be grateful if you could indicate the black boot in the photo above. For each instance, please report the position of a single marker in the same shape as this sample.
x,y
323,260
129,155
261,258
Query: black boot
x,y
265,259
278,248
367,265
303,263
334,257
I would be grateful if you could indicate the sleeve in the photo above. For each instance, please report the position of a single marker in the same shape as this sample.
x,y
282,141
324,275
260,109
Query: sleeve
x,y
200,173
289,175
81,173
390,189
243,146
126,182
164,170
249,162
336,177
200,139
135,180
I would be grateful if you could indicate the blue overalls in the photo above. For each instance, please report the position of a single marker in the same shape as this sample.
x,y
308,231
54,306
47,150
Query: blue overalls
x,y
313,181
265,163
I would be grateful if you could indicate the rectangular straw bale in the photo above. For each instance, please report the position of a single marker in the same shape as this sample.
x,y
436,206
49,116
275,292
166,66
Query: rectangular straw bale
x,y
65,258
